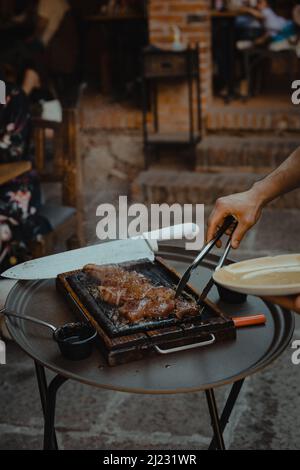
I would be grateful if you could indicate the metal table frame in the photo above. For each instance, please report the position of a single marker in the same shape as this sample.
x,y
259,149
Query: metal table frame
x,y
48,395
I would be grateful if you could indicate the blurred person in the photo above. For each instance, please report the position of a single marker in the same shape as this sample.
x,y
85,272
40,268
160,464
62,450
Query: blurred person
x,y
41,38
276,28
58,34
275,32
19,46
247,208
20,223
247,26
50,16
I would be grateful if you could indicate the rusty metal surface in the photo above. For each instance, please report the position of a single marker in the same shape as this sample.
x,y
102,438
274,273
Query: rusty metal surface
x,y
254,349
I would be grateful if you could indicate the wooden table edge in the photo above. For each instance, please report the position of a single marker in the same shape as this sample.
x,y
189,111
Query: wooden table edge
x,y
9,171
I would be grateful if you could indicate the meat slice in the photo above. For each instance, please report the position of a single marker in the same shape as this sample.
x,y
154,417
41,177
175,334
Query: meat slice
x,y
184,308
112,295
136,310
136,297
107,275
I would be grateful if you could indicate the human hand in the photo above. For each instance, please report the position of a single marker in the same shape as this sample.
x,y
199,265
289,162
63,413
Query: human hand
x,y
291,302
246,207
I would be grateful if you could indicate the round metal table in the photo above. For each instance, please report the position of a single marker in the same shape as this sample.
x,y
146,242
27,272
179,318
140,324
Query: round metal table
x,y
201,369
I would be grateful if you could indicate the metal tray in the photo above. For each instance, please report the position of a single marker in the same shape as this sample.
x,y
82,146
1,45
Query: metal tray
x,y
122,342
190,371
79,285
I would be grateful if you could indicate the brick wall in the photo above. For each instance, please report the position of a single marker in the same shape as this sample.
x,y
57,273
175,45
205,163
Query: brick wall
x,y
191,16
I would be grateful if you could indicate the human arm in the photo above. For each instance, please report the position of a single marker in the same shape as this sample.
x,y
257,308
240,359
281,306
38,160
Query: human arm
x,y
253,12
246,207
289,302
41,26
262,39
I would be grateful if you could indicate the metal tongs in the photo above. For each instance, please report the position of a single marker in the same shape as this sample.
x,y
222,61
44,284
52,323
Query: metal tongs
x,y
230,221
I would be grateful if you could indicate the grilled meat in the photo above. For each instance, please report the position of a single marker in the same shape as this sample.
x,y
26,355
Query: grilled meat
x,y
112,295
184,308
136,297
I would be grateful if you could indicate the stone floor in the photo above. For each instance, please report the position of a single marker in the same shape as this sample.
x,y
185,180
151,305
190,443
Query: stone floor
x,y
266,416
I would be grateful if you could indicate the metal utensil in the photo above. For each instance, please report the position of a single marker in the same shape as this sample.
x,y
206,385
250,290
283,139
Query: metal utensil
x,y
239,322
120,251
27,318
207,248
211,282
75,340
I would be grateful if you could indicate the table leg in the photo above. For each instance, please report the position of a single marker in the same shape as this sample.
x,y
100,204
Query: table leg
x,y
42,384
49,430
248,72
230,403
215,421
43,387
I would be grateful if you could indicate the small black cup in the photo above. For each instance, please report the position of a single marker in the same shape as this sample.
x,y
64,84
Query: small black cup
x,y
231,297
75,340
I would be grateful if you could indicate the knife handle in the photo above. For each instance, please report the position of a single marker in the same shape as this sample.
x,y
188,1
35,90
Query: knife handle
x,y
253,320
176,232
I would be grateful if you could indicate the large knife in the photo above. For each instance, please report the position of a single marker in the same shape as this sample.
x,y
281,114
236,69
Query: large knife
x,y
120,251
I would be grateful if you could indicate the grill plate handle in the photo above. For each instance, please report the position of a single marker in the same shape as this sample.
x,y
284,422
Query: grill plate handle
x,y
187,347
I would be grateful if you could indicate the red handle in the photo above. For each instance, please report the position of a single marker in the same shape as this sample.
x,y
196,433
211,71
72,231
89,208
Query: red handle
x,y
241,322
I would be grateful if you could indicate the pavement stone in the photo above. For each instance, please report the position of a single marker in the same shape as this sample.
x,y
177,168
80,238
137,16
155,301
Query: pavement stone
x,y
18,440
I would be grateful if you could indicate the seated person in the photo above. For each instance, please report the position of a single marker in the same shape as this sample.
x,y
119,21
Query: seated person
x,y
276,28
41,38
19,49
278,34
59,36
20,223
247,26
50,14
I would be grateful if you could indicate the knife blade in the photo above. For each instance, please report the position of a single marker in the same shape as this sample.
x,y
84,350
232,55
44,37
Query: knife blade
x,y
119,251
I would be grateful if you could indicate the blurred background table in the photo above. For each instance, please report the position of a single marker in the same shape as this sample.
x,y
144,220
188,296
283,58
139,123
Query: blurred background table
x,y
225,14
112,18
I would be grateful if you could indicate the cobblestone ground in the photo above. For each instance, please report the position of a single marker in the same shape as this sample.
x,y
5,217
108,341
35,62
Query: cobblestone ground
x,y
267,415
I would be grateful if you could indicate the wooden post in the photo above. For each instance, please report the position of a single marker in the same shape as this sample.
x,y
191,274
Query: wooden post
x,y
73,178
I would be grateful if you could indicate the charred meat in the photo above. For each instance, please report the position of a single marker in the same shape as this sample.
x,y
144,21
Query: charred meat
x,y
135,296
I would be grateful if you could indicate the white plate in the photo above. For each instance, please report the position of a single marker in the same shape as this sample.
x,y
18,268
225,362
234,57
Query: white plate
x,y
278,275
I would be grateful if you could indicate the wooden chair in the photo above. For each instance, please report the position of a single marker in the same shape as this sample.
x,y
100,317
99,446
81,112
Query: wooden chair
x,y
63,167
